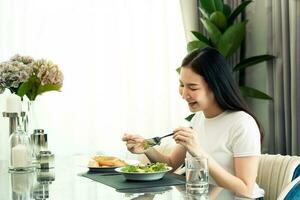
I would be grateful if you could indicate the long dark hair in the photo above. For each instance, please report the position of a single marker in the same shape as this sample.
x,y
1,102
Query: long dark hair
x,y
212,66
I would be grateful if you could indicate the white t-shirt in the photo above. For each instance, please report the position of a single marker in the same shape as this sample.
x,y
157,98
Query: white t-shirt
x,y
228,135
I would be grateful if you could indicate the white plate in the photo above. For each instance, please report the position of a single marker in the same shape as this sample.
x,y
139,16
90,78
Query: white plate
x,y
139,176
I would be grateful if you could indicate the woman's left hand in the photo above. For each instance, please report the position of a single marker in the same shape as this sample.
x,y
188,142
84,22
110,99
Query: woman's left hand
x,y
187,138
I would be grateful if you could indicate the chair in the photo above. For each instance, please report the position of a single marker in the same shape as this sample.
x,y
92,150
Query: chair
x,y
291,191
275,175
276,172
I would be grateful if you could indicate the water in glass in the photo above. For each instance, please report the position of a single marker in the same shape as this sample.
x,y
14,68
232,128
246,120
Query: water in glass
x,y
197,182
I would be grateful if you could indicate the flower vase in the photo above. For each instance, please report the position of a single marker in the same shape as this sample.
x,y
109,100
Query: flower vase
x,y
30,117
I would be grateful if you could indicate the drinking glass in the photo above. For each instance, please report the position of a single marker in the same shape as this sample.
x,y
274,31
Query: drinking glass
x,y
196,175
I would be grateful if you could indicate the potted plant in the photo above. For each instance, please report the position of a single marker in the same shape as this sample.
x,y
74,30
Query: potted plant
x,y
226,35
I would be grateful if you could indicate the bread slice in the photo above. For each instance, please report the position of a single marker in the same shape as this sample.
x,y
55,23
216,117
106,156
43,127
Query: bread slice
x,y
93,163
110,161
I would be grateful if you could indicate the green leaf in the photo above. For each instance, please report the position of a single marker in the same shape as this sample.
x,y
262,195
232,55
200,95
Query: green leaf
x,y
237,11
226,10
13,90
48,87
252,61
231,39
219,19
204,14
23,89
189,118
200,37
209,6
212,30
254,93
29,88
206,6
218,5
196,44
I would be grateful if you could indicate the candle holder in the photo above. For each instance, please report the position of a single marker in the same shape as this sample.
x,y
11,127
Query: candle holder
x,y
13,120
20,152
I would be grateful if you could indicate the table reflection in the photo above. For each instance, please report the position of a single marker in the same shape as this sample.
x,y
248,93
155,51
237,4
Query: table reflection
x,y
22,185
63,183
31,185
44,178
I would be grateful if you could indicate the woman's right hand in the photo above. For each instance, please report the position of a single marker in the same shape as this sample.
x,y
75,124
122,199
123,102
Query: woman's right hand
x,y
135,144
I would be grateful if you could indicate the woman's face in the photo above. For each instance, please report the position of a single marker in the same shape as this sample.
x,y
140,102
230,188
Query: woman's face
x,y
195,91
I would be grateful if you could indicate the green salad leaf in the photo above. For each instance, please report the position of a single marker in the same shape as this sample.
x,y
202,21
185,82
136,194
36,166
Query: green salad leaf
x,y
153,167
147,144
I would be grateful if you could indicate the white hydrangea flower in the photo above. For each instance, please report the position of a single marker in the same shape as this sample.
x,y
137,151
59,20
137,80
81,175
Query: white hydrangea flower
x,y
12,74
20,69
47,72
23,59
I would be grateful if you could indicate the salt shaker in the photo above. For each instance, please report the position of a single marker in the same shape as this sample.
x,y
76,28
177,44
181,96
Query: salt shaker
x,y
39,141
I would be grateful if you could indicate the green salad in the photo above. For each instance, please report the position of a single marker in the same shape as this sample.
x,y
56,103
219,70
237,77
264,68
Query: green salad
x,y
147,144
153,167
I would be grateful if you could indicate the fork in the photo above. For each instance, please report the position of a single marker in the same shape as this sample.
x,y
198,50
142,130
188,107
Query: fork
x,y
156,140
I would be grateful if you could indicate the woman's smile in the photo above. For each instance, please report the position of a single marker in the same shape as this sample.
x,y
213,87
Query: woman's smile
x,y
193,104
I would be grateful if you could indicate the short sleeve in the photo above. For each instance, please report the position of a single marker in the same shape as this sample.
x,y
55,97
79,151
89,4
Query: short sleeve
x,y
245,138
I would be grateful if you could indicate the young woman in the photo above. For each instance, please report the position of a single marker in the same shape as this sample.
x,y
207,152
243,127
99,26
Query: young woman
x,y
223,128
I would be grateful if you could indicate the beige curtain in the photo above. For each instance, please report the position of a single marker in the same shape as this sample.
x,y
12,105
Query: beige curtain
x,y
283,76
110,52
190,17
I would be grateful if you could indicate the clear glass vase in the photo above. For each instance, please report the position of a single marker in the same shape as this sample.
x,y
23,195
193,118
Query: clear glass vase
x,y
20,151
29,116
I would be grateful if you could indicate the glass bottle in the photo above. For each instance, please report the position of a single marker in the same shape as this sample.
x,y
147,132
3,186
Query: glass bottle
x,y
20,151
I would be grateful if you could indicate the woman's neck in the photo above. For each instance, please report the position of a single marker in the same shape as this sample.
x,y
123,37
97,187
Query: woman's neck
x,y
213,111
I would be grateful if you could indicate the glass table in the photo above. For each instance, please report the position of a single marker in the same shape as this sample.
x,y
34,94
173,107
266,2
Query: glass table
x,y
63,182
